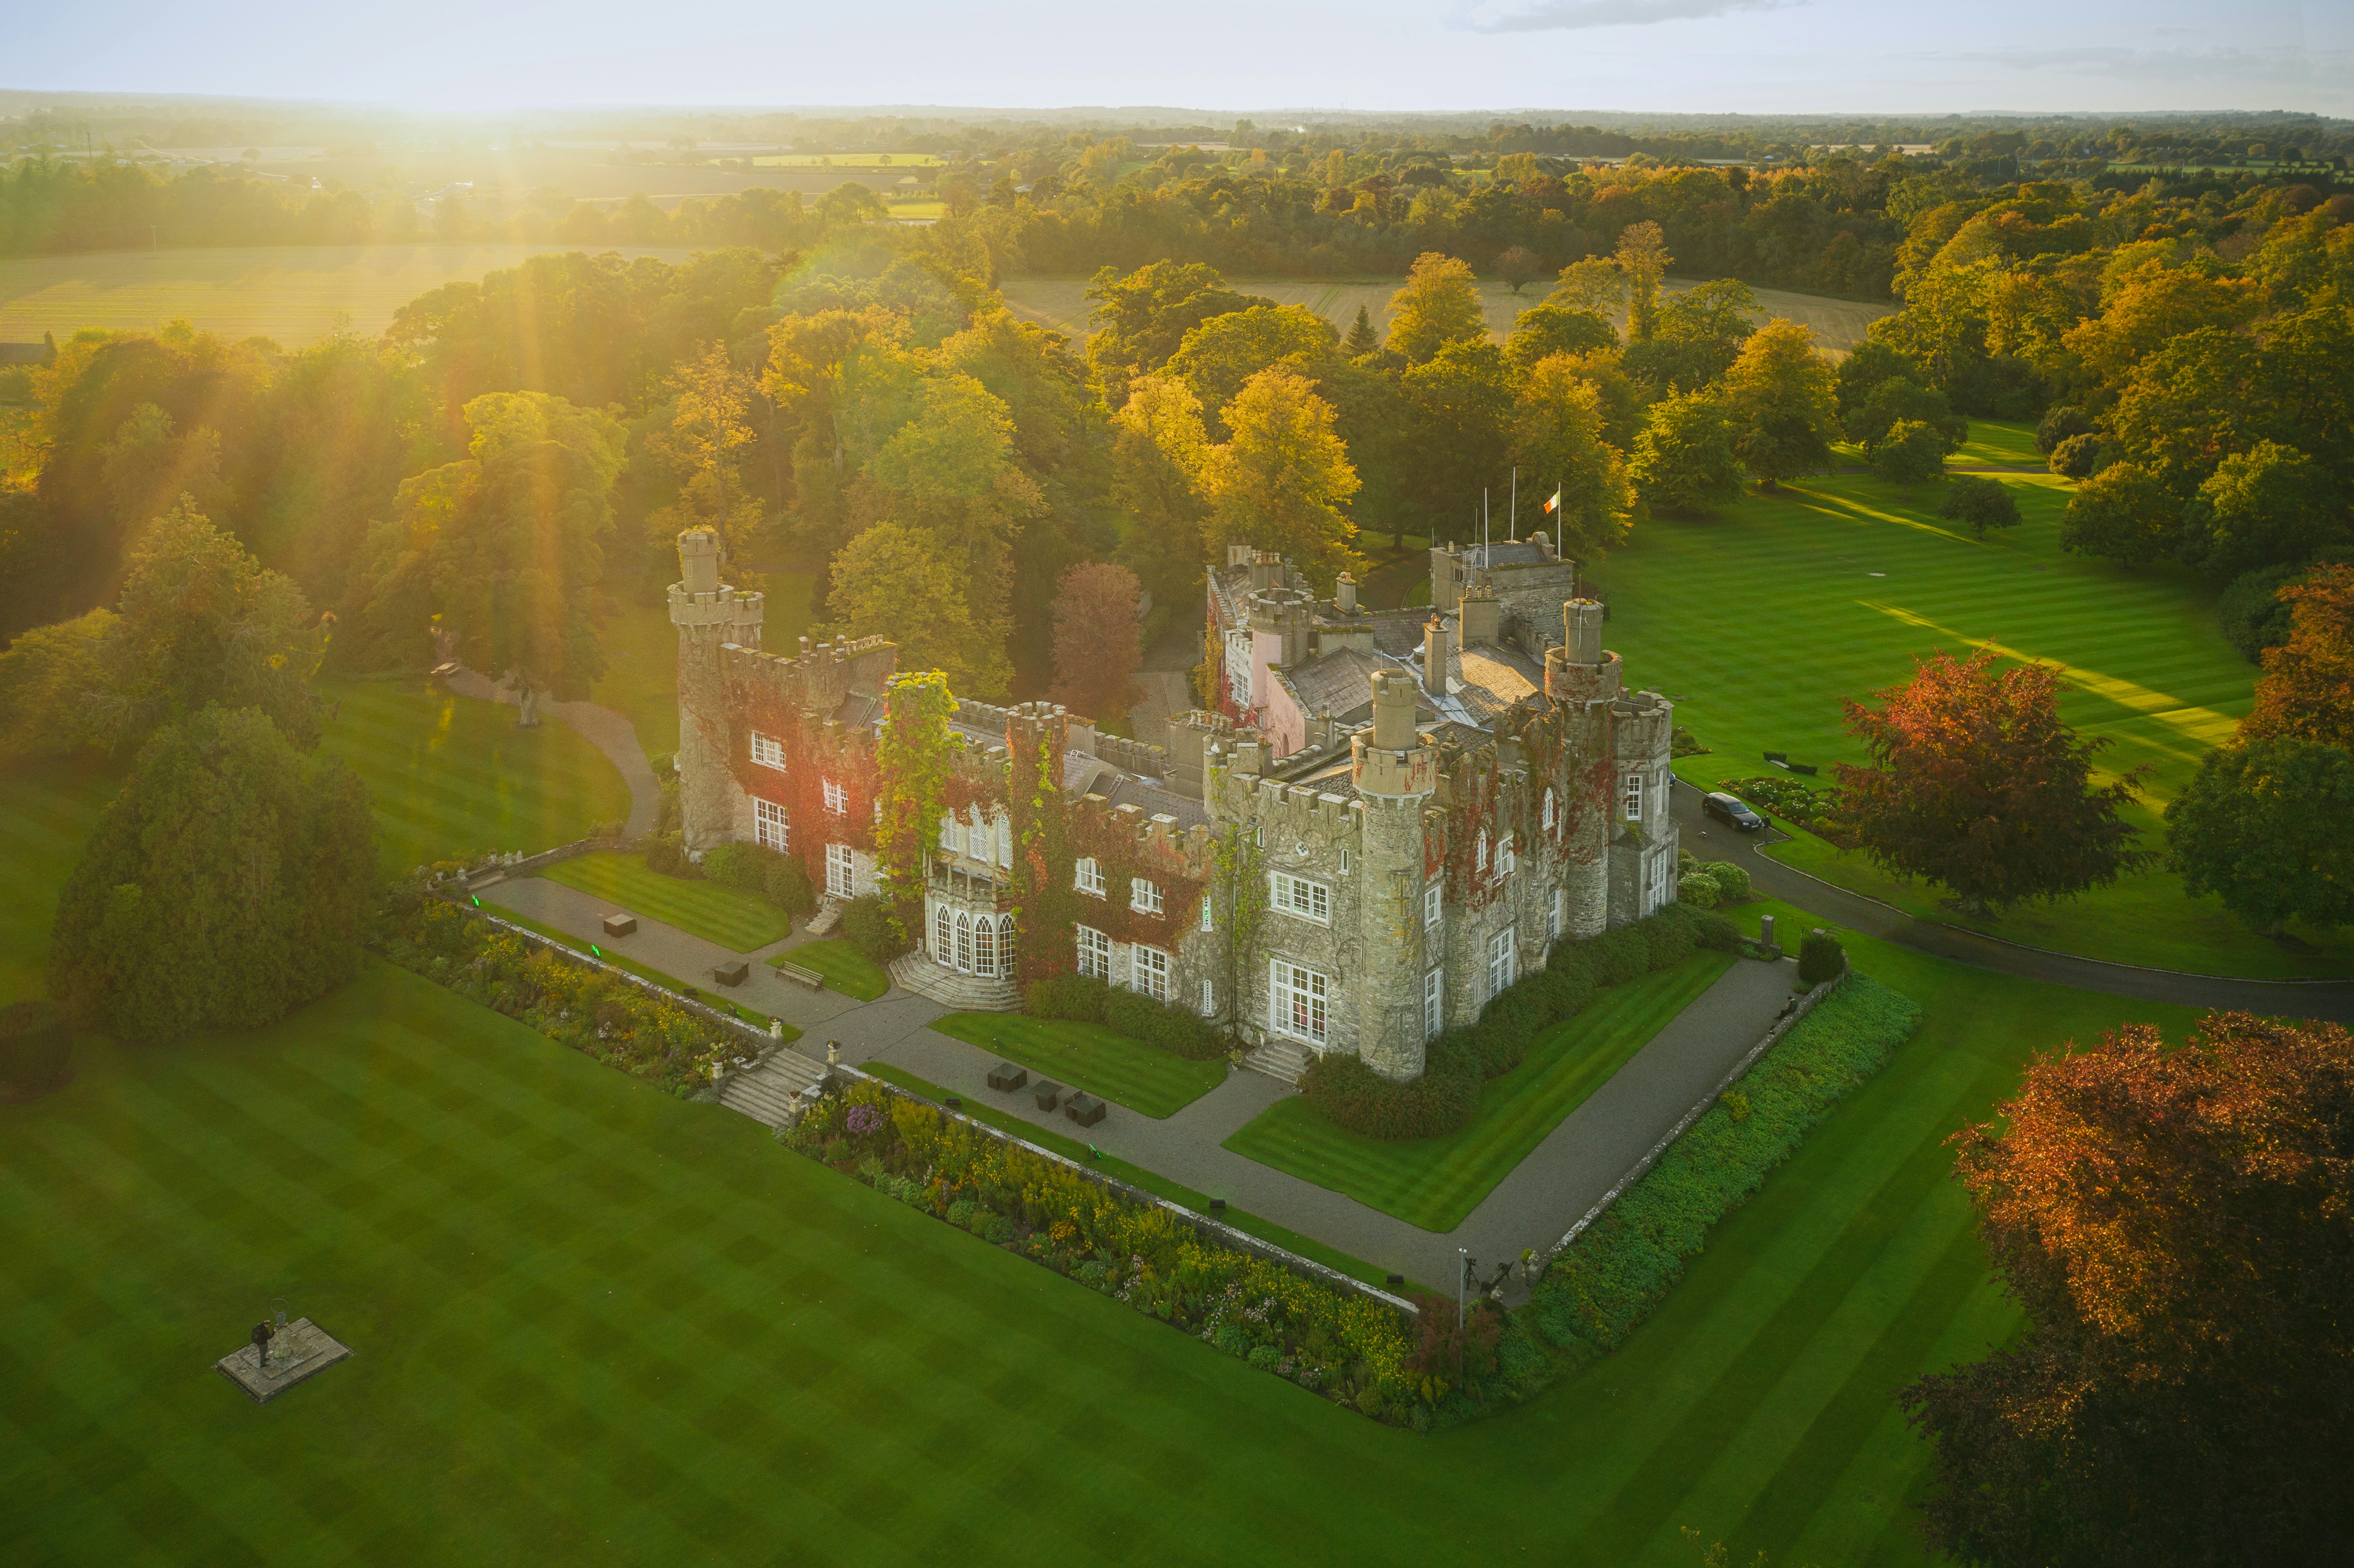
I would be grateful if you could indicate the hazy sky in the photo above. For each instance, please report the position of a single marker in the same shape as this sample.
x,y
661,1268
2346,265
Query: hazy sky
x,y
1756,55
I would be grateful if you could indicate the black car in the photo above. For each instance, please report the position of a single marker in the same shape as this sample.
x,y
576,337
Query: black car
x,y
1734,813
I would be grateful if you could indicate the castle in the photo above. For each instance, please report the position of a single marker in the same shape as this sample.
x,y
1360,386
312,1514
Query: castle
x,y
1387,817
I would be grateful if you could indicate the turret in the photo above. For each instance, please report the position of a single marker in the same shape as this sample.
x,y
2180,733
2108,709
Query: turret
x,y
1394,770
709,615
1581,670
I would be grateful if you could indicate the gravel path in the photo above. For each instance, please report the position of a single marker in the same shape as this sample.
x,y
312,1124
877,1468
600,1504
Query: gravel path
x,y
607,731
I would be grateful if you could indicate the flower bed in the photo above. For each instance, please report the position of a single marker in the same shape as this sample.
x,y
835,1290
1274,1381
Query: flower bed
x,y
565,998
1345,1346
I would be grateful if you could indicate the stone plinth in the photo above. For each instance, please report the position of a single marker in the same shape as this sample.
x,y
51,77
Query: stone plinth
x,y
303,1350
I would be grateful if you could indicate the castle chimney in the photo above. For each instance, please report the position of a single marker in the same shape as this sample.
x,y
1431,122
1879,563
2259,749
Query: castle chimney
x,y
1479,618
698,560
1345,594
1393,711
1434,657
1581,631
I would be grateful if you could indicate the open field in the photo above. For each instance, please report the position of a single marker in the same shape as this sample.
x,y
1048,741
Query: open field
x,y
845,969
1435,1183
1146,1079
1760,620
295,294
2000,442
452,776
737,921
863,161
1061,304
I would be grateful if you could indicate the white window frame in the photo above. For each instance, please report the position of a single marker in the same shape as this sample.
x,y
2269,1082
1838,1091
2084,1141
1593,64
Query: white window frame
x,y
1434,904
1634,797
840,872
1209,998
951,833
1298,1002
1300,898
1504,960
767,751
964,943
1549,809
1552,917
1148,970
1209,918
1434,1003
837,798
1087,875
943,936
1144,896
984,946
1005,929
1508,859
1004,842
1094,953
770,827
1659,892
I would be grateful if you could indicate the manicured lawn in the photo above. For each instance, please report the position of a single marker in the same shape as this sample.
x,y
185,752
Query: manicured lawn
x,y
1434,1182
1138,1176
737,921
2000,440
1145,1078
1759,621
452,776
845,969
46,811
711,997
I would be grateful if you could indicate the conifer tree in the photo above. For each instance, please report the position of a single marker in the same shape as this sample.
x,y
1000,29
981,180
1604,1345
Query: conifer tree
x,y
1362,338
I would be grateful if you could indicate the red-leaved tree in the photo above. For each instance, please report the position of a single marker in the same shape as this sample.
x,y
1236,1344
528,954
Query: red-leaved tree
x,y
2307,686
2179,1225
1097,640
1974,782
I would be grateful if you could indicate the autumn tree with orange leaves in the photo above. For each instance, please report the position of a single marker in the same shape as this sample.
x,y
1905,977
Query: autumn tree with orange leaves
x,y
1974,782
2308,687
1097,640
2178,1227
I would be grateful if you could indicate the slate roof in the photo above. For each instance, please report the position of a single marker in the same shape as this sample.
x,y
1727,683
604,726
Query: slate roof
x,y
1337,684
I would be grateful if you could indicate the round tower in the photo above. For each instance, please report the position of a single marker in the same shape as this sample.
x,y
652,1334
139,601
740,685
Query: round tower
x,y
709,615
1582,678
1395,772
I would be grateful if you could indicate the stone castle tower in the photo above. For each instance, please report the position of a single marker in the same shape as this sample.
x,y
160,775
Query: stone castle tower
x,y
710,616
1582,680
1394,770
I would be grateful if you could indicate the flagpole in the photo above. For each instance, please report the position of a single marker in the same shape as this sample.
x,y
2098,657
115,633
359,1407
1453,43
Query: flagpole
x,y
1516,514
1486,558
1557,509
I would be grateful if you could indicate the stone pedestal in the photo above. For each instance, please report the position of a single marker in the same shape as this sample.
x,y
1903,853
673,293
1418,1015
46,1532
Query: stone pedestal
x,y
303,1349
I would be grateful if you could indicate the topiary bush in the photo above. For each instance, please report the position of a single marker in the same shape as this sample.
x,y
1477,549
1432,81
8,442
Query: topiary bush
x,y
868,926
36,1048
1732,880
1351,1095
1698,887
666,854
1819,957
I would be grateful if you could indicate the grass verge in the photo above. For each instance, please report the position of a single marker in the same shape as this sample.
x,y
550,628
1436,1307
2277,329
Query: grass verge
x,y
737,921
1435,1183
708,997
845,969
1145,1078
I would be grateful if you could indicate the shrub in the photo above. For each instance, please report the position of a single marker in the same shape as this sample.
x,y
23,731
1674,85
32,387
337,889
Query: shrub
x,y
1819,957
2251,613
868,926
2060,422
1669,938
666,854
1732,880
1698,887
1079,998
36,1048
1351,1095
1712,930
1182,1033
734,867
787,885
1983,504
1129,1012
1619,956
1566,987
1507,1025
2077,457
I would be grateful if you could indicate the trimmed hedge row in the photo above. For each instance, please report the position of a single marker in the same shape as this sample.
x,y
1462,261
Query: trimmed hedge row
x,y
1130,1012
1628,1260
1351,1095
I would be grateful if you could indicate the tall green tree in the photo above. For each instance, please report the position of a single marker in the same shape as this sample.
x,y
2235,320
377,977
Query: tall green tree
x,y
1158,444
1282,482
1438,306
1683,460
1549,329
1911,453
2307,686
2270,505
1140,318
1226,351
1461,429
1643,257
2260,826
1362,339
1779,399
1557,444
226,884
893,581
2122,513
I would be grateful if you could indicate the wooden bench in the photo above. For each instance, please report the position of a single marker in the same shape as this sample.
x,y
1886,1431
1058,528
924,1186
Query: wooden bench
x,y
787,970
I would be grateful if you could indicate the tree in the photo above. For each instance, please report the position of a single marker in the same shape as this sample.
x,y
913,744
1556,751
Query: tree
x,y
2173,1222
705,444
1376,426
227,883
2307,686
1519,267
1282,480
853,201
50,678
1098,639
1974,782
2262,826
1557,440
1595,284
1141,318
1550,329
1228,350
1983,504
893,581
1460,431
1683,460
1778,395
1157,451
2121,513
1361,339
2251,613
1911,453
1867,364
1643,257
1897,401
146,468
1439,305
200,622
2270,505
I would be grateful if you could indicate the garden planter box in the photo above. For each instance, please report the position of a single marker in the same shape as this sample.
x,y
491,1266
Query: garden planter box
x,y
1006,1077
1049,1093
736,973
1084,1109
621,925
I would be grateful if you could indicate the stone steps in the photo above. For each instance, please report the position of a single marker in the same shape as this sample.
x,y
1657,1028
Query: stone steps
x,y
765,1093
962,993
825,920
1281,1060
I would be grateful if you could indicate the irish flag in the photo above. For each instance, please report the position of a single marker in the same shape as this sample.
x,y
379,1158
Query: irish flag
x,y
1552,502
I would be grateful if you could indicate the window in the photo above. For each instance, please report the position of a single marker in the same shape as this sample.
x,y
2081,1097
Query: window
x,y
1144,896
840,872
837,798
1480,853
1503,961
1296,1000
1506,861
1151,967
1433,901
943,935
1208,923
1348,863
1005,944
951,834
1005,842
767,751
1087,876
1434,1004
1548,811
769,828
1209,999
984,948
1663,892
1634,797
1298,895
964,944
1553,917
1095,954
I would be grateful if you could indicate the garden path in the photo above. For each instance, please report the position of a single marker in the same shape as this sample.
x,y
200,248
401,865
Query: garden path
x,y
2330,1000
609,732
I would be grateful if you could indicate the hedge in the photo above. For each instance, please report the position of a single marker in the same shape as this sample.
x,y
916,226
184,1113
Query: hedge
x,y
1352,1097
1336,1343
1819,957
1627,1261
1085,1000
763,873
